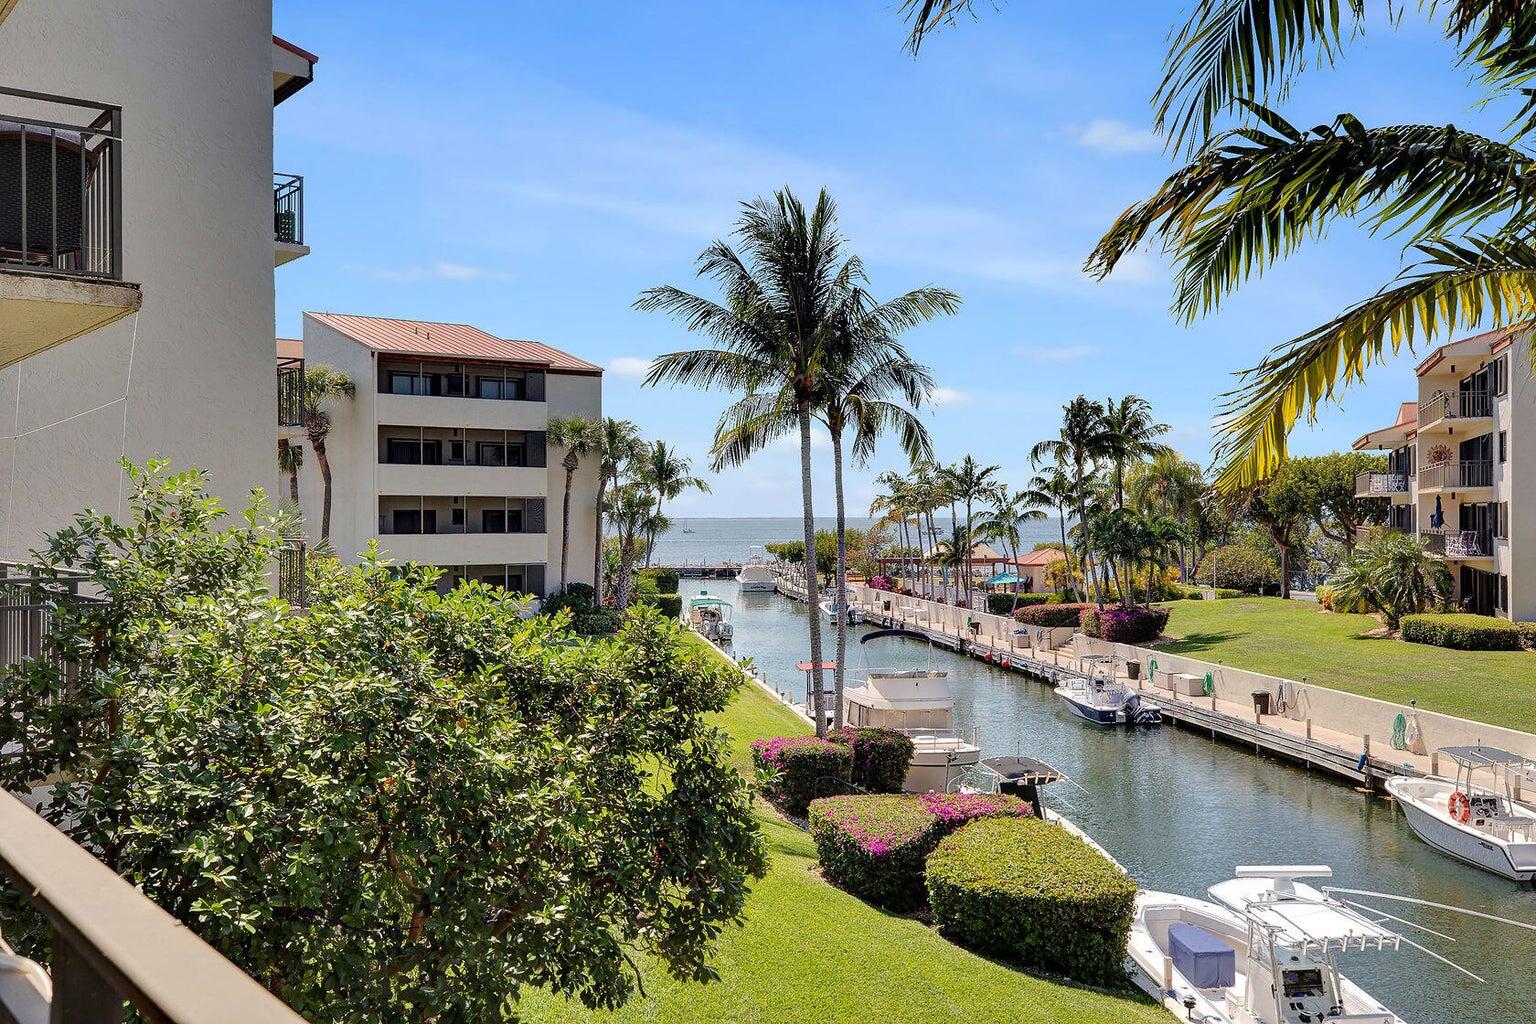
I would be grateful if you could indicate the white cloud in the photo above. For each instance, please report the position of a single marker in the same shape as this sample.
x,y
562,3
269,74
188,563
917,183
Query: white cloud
x,y
1057,353
1107,135
629,366
440,271
948,398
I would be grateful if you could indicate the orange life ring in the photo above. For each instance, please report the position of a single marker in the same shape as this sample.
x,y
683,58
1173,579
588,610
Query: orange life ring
x,y
1460,807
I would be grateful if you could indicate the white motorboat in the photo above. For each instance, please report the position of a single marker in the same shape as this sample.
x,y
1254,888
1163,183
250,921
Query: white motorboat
x,y
917,702
1484,825
710,617
756,574
1266,951
1107,702
828,608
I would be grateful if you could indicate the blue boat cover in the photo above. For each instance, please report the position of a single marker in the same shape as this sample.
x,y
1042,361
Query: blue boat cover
x,y
1201,957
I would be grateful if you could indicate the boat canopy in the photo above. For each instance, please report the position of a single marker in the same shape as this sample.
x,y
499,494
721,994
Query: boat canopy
x,y
1486,757
1024,771
1299,916
880,634
704,602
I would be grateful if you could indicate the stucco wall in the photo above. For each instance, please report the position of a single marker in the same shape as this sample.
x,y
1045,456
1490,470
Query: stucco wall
x,y
195,84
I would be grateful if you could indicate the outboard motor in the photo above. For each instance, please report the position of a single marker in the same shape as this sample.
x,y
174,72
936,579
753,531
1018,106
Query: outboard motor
x,y
1137,713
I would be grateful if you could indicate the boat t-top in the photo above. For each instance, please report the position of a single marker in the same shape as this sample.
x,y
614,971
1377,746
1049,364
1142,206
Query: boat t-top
x,y
710,617
1100,698
1482,824
917,702
756,574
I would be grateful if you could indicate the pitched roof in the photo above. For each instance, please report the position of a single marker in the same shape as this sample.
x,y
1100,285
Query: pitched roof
x,y
453,341
1045,556
290,348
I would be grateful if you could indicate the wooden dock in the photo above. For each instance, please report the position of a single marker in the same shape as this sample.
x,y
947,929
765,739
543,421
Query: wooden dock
x,y
705,570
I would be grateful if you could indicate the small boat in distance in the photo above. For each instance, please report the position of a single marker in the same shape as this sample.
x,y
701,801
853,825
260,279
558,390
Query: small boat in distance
x,y
916,702
828,606
1107,702
710,617
756,574
1483,825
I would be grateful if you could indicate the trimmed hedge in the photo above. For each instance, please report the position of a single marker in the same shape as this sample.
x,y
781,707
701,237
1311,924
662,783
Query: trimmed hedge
x,y
1527,632
670,605
880,757
1003,604
1462,631
666,579
1052,614
875,846
598,622
1125,625
802,769
1029,892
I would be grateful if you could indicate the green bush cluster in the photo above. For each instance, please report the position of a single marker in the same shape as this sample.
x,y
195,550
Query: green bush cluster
x,y
666,580
1239,567
598,622
880,757
1052,614
1003,604
1462,631
660,589
1029,892
670,605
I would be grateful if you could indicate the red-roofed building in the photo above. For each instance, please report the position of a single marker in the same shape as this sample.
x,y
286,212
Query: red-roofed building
x,y
441,457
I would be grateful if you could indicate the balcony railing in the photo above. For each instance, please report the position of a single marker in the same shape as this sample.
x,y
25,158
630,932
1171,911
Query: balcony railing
x,y
1454,405
61,185
292,574
1377,485
110,944
290,392
288,208
1459,543
30,601
1453,475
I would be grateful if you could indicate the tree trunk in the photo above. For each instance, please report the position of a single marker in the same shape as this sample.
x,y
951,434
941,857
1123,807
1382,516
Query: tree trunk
x,y
840,606
565,522
597,543
322,460
1082,525
626,554
1066,552
1285,571
807,512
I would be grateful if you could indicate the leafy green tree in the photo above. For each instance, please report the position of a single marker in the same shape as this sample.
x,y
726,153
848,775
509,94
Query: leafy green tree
x,y
632,511
579,437
792,551
1393,572
1327,483
1238,567
1283,506
1171,485
324,386
398,806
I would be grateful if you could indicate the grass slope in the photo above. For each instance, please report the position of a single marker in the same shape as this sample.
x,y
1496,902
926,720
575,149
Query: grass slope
x,y
812,954
1298,640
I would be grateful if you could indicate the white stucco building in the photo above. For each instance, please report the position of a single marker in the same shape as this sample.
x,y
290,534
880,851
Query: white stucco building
x,y
139,231
1462,470
441,456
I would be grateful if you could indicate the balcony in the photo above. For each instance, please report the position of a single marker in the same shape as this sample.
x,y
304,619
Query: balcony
x,y
288,218
290,396
1450,408
61,222
1380,485
1460,545
1456,476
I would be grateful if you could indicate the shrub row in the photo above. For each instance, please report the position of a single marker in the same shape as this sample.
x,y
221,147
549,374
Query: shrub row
x,y
801,769
1026,891
1462,631
875,846
880,757
1052,614
1125,625
666,580
1003,604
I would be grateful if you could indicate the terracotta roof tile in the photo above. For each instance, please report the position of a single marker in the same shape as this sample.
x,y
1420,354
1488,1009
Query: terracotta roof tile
x,y
1045,556
453,341
290,348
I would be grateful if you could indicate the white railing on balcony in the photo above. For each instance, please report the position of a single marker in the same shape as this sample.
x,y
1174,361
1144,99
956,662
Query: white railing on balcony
x,y
1447,475
1447,405
1375,485
1459,543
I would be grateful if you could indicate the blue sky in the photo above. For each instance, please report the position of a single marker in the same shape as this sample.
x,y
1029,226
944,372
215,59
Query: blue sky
x,y
530,167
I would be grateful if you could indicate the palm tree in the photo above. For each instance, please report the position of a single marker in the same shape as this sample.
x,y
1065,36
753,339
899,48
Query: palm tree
x,y
1395,573
323,386
1129,435
783,299
668,474
632,511
897,505
290,459
579,437
618,445
1173,486
1056,489
1078,445
970,482
1009,509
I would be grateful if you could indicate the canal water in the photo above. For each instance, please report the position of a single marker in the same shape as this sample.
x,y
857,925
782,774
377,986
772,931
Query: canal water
x,y
1180,811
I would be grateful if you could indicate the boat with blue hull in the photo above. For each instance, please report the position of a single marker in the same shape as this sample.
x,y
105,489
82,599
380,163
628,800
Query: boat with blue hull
x,y
1107,702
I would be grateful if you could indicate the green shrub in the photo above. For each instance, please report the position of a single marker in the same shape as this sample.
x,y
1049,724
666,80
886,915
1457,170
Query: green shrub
x,y
800,769
1125,625
1224,593
1239,567
670,605
1052,614
1029,892
1003,604
875,846
1527,632
580,599
598,622
666,580
1462,631
880,757
643,587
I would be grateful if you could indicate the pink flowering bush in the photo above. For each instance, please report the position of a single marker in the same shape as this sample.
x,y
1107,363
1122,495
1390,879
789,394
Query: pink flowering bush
x,y
880,757
882,583
1122,625
798,769
876,846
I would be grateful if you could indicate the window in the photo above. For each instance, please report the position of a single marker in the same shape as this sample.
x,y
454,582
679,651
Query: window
x,y
407,520
1501,521
432,453
456,517
488,388
491,453
493,520
406,383
402,452
516,455
1503,446
456,452
515,520
1498,376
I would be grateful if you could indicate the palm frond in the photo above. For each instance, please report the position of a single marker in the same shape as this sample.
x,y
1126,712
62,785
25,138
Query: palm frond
x,y
928,15
750,424
1457,286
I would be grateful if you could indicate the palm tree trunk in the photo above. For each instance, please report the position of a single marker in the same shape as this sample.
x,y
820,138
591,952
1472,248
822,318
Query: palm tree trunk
x,y
322,459
597,543
1082,525
565,526
626,549
808,516
840,605
650,540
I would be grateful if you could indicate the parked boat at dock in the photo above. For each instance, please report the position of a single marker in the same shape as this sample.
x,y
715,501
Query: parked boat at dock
x,y
1107,702
756,574
710,617
917,702
828,608
1484,825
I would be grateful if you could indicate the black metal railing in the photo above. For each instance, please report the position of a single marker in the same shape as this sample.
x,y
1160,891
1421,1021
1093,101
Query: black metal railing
x,y
288,208
1456,405
292,574
1450,475
290,392
61,185
30,601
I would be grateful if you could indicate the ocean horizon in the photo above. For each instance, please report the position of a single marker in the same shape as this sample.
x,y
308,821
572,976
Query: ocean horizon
x,y
702,539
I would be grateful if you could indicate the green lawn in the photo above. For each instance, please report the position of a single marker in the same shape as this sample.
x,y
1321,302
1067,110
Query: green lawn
x,y
812,954
1298,640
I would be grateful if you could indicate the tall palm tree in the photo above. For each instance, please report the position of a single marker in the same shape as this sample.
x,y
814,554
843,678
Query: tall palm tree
x,y
1054,488
1171,485
579,437
1129,434
668,474
897,505
970,482
323,387
1007,509
618,445
632,511
1078,445
783,292
290,459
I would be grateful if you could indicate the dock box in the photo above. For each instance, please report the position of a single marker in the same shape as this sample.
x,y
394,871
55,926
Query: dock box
x,y
1201,957
1186,684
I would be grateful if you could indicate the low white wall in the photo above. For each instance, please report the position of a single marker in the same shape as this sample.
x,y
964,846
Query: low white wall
x,y
1329,709
996,630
